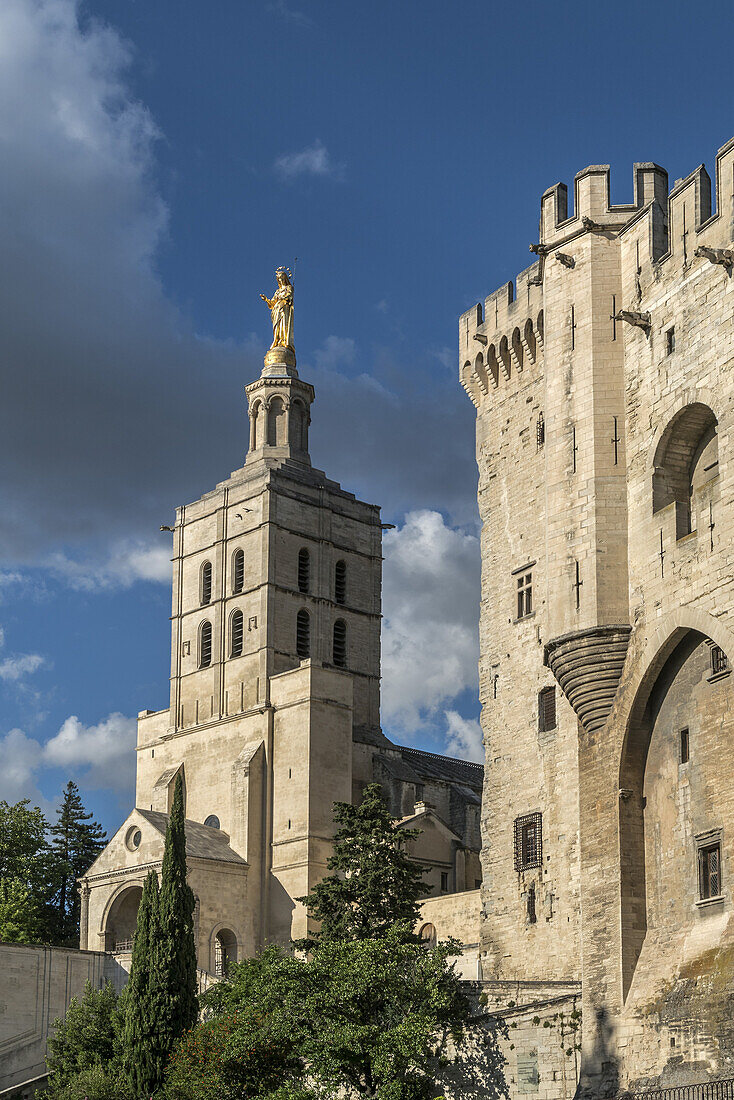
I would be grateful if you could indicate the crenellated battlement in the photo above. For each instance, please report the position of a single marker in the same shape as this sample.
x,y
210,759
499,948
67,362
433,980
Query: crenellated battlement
x,y
593,210
687,220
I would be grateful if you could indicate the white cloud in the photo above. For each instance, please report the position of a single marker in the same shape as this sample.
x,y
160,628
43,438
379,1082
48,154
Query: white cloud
x,y
124,565
464,737
20,758
335,352
314,160
103,754
22,664
430,641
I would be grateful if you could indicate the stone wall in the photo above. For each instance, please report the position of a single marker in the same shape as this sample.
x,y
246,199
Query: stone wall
x,y
38,984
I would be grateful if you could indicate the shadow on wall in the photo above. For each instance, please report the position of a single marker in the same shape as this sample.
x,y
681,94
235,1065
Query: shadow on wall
x,y
600,1079
478,1069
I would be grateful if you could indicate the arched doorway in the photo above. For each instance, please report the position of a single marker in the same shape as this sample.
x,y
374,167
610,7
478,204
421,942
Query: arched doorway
x,y
674,803
225,951
428,935
121,920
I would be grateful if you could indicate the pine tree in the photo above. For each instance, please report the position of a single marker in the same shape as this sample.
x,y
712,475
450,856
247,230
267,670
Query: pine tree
x,y
76,841
376,885
179,1006
141,1041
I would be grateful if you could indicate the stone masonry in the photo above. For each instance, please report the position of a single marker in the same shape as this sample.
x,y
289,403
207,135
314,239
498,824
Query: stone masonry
x,y
603,380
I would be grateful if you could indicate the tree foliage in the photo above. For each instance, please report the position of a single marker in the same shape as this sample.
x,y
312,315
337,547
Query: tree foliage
x,y
176,965
375,885
20,918
87,1042
76,840
143,1053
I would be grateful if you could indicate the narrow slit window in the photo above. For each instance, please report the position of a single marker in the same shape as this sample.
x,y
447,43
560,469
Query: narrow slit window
x,y
304,570
237,633
685,747
532,915
205,645
709,871
206,582
444,881
547,709
524,595
238,571
670,341
303,634
540,431
340,582
340,643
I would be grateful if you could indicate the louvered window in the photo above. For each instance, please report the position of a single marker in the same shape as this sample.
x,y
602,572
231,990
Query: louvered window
x,y
528,841
303,634
547,709
304,570
205,645
340,582
206,582
238,571
709,871
340,643
237,633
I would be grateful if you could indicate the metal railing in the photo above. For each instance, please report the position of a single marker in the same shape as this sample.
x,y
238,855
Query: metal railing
x,y
123,945
722,1089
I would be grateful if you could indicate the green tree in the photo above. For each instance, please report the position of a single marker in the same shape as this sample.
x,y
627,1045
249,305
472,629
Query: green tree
x,y
143,1056
179,1005
86,1042
376,886
20,920
25,860
76,841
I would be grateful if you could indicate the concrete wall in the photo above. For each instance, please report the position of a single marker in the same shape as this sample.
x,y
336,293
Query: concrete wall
x,y
37,986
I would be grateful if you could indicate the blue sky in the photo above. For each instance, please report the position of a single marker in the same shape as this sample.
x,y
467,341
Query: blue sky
x,y
159,161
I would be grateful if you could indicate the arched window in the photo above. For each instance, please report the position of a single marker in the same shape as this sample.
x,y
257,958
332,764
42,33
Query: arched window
x,y
238,570
304,570
427,935
340,643
205,644
225,951
257,426
686,460
212,821
276,423
236,633
206,583
298,426
303,634
340,582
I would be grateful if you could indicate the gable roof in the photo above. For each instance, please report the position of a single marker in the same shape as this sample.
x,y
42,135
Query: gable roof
x,y
202,842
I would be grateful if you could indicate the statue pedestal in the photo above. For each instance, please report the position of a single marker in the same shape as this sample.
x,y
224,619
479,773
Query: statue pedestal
x,y
280,361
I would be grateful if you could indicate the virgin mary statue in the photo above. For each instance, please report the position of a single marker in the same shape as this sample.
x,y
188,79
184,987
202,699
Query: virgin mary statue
x,y
281,310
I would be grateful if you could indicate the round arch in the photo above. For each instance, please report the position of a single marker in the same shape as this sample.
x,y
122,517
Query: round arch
x,y
120,916
225,947
673,643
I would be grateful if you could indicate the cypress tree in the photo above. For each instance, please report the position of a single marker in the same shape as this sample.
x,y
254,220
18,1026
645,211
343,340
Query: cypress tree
x,y
176,966
141,1043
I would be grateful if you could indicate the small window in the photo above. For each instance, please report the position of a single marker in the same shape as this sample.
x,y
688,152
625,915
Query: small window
x,y
212,821
340,582
540,430
670,341
524,595
303,634
205,645
238,571
444,881
709,871
547,709
532,916
340,643
719,660
236,633
304,570
528,841
206,582
685,754
133,838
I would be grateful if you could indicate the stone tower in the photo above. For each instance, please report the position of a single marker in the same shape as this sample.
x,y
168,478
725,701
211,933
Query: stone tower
x,y
604,386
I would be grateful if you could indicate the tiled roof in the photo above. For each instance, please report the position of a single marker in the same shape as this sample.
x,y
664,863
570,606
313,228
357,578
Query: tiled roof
x,y
202,842
432,766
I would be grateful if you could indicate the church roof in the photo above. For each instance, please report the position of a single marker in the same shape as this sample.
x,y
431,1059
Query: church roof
x,y
432,766
202,842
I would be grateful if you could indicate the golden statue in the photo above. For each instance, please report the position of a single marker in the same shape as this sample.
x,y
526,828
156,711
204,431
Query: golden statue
x,y
281,310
